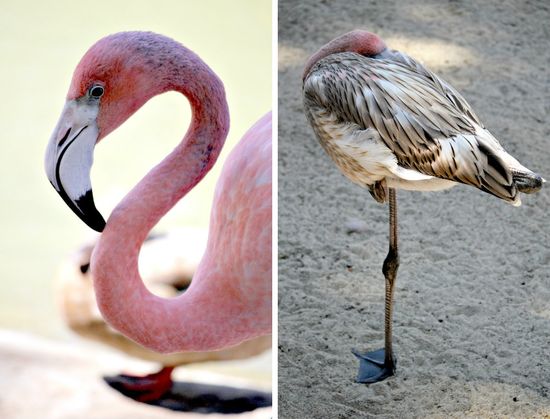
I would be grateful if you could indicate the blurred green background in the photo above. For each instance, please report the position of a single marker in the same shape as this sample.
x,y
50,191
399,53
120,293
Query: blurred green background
x,y
40,45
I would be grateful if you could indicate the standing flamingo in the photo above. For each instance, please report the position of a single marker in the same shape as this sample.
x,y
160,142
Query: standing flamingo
x,y
388,122
229,299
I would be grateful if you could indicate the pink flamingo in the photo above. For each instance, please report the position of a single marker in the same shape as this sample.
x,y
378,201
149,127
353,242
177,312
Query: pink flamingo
x,y
229,299
388,122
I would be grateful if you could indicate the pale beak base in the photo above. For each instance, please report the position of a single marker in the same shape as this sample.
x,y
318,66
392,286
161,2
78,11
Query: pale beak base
x,y
69,159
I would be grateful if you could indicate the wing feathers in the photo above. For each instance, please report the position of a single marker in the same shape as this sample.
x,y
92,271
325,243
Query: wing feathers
x,y
427,124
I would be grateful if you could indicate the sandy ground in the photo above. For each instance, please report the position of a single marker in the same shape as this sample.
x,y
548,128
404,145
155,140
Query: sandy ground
x,y
472,320
49,379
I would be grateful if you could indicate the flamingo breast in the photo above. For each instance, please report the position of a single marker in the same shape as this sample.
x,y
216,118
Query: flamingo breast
x,y
363,157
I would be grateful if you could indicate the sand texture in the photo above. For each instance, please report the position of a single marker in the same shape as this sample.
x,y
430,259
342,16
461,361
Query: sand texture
x,y
472,315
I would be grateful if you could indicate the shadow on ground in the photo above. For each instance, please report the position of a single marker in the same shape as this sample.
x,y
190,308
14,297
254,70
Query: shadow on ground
x,y
203,398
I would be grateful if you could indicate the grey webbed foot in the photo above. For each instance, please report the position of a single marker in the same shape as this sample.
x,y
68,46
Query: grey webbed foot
x,y
373,366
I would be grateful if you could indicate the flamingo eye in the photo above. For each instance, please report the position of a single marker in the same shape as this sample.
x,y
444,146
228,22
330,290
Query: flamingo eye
x,y
96,91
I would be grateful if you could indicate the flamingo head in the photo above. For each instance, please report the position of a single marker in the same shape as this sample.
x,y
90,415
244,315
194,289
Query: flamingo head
x,y
359,41
113,80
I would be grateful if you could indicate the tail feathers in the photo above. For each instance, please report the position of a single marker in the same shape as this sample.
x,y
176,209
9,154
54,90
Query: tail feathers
x,y
505,177
496,175
527,182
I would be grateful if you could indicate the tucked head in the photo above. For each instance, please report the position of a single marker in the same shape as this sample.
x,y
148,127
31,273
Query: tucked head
x,y
359,41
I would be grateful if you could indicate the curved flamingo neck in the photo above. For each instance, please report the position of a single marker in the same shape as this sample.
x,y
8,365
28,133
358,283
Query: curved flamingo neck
x,y
122,297
187,164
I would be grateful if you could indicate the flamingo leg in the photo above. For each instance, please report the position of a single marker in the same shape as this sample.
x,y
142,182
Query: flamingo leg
x,y
377,365
143,388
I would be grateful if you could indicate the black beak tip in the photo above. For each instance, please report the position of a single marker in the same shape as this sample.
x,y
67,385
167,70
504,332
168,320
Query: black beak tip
x,y
89,213
85,208
97,223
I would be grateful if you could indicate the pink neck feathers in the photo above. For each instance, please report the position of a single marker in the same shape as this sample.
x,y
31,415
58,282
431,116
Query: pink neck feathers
x,y
165,325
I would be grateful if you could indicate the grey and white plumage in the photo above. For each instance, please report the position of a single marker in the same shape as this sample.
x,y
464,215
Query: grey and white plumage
x,y
388,121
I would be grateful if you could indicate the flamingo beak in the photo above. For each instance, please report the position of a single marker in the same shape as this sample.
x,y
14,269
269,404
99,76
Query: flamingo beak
x,y
69,158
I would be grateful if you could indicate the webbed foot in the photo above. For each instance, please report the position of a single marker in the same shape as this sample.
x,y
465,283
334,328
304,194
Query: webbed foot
x,y
373,366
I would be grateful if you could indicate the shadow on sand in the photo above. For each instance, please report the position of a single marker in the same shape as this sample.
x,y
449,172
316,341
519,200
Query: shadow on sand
x,y
202,398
